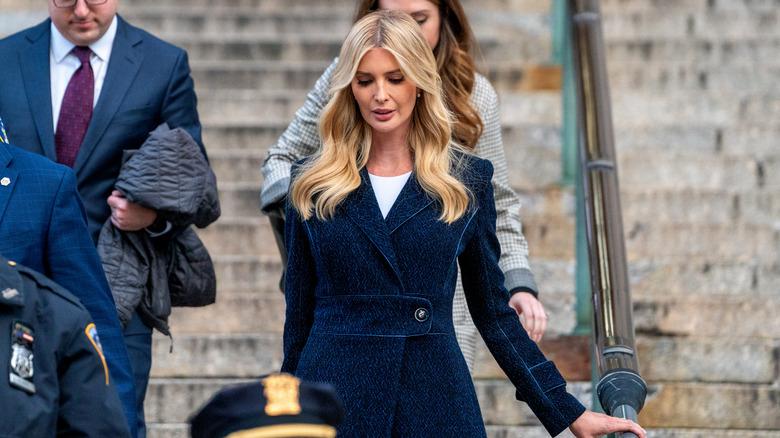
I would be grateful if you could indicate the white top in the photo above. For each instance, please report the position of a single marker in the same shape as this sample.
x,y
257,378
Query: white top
x,y
387,189
63,63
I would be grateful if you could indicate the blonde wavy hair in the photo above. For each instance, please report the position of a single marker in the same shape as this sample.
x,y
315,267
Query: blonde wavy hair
x,y
328,177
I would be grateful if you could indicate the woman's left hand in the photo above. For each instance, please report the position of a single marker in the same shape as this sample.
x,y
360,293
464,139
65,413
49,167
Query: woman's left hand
x,y
593,425
532,311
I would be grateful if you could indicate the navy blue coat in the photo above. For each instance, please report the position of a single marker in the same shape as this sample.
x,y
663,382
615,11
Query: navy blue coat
x,y
369,309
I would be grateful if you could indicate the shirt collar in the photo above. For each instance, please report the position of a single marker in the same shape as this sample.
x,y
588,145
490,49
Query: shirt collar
x,y
60,47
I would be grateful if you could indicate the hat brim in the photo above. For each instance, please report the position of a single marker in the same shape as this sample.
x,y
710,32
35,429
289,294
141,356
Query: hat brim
x,y
287,430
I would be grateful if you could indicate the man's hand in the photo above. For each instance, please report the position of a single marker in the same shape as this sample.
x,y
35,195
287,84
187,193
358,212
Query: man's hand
x,y
128,216
531,310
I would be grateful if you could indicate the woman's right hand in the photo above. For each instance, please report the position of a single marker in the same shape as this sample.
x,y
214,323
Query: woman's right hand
x,y
593,425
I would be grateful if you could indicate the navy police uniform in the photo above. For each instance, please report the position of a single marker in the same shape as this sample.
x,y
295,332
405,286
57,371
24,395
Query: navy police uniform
x,y
54,378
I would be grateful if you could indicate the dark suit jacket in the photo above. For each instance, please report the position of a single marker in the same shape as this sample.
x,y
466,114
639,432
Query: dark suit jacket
x,y
147,83
43,226
369,309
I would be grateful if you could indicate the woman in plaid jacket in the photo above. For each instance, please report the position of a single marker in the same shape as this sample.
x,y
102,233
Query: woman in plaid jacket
x,y
474,102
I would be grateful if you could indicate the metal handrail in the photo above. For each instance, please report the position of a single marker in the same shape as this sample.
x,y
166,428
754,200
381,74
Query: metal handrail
x,y
620,389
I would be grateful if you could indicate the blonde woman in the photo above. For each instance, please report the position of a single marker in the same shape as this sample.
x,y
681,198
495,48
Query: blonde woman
x,y
473,102
378,222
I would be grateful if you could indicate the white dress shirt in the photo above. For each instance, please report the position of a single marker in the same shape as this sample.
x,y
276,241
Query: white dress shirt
x,y
63,63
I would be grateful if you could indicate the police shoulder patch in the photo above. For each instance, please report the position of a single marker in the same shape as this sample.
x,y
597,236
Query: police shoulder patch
x,y
94,339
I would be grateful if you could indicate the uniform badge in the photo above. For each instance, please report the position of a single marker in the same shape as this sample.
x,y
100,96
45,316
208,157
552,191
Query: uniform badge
x,y
281,394
5,181
21,368
9,293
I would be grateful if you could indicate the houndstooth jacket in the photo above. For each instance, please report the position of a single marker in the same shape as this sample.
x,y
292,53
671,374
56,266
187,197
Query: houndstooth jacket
x,y
301,139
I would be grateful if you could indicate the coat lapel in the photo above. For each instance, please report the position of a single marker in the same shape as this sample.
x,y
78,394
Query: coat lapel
x,y
361,206
122,68
8,178
34,63
410,202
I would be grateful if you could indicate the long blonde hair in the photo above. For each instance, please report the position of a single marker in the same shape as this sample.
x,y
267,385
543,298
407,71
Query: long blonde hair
x,y
333,173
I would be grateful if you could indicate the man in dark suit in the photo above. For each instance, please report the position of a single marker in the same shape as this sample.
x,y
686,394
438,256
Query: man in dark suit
x,y
43,226
138,82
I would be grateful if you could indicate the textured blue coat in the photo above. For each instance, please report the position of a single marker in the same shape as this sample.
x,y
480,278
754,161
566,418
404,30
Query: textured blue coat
x,y
369,308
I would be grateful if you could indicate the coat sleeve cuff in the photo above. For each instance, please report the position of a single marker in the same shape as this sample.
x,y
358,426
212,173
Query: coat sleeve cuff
x,y
274,193
520,277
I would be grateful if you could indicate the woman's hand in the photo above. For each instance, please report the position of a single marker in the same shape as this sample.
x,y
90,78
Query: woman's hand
x,y
532,311
594,425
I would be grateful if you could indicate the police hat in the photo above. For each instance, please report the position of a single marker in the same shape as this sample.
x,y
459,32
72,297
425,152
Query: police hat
x,y
278,405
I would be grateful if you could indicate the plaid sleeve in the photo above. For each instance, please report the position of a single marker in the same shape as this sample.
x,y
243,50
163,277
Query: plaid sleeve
x,y
509,230
299,140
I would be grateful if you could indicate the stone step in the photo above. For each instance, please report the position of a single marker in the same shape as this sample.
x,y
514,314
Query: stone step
x,y
233,313
247,273
217,22
717,406
698,51
693,6
722,280
254,75
249,107
641,108
239,237
705,317
701,205
673,76
239,200
240,355
718,24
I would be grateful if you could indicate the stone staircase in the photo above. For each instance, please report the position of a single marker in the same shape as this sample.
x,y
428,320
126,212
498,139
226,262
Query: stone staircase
x,y
695,106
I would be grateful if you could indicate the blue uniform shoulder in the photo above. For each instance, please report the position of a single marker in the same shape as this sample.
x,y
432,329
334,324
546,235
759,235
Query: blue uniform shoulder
x,y
41,281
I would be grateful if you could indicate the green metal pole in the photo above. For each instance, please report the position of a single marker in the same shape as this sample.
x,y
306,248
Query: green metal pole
x,y
562,54
570,176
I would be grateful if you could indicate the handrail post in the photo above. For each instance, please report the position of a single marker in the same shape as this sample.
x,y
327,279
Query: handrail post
x,y
620,390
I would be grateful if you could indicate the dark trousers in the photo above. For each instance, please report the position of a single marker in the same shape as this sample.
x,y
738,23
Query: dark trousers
x,y
138,338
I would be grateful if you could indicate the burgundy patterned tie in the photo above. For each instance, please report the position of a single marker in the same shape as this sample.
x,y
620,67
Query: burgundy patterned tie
x,y
76,110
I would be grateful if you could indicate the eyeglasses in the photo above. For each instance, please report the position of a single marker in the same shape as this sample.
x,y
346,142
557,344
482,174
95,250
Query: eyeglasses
x,y
72,3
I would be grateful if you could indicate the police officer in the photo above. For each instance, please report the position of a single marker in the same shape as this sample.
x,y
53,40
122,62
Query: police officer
x,y
55,381
274,406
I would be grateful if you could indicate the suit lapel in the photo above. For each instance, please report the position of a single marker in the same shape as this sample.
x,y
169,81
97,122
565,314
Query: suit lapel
x,y
34,63
412,200
363,209
123,66
8,179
